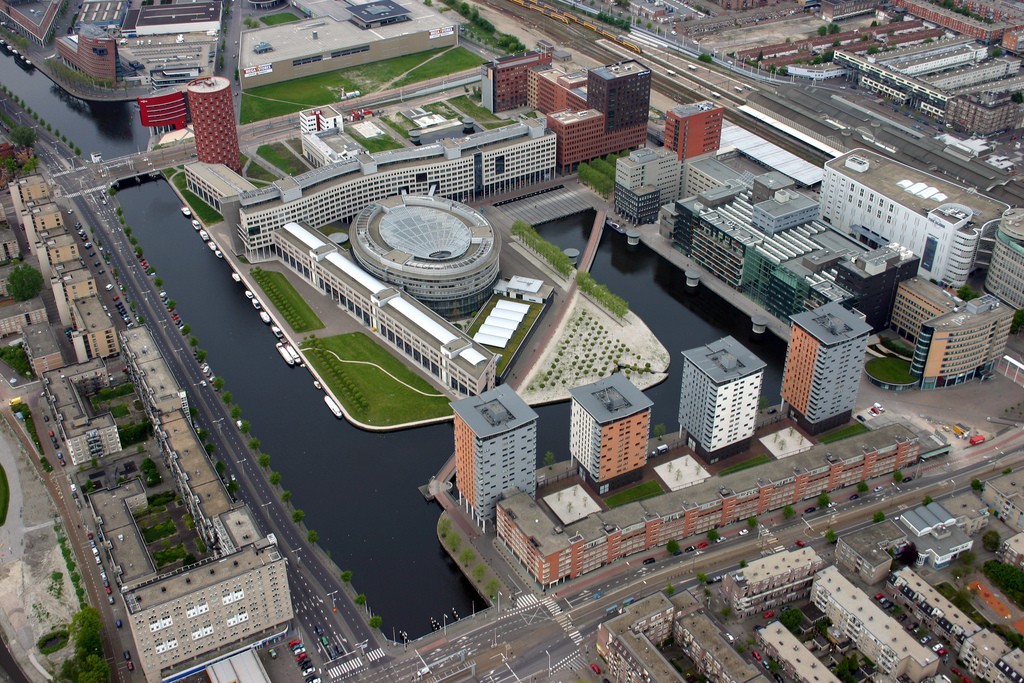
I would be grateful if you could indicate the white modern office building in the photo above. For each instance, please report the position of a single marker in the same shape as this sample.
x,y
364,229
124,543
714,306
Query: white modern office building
x,y
719,397
495,448
878,201
479,165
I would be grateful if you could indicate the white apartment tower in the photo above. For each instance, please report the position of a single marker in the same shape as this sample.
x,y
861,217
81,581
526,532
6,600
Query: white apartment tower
x,y
495,448
719,398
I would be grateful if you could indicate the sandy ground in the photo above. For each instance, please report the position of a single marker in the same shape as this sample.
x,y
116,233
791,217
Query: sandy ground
x,y
799,26
29,560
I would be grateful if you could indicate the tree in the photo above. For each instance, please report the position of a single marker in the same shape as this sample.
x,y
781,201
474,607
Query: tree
x,y
702,578
86,632
967,558
830,536
286,496
897,476
24,282
360,599
706,58
221,468
672,546
227,397
878,517
232,487
346,576
670,589
823,500
752,522
263,460
791,619
193,341
549,459
822,30
24,136
862,487
990,540
966,293
659,430
298,516
376,621
743,563
254,443
312,536
788,511
927,500
713,535
275,478
976,484
218,383
236,412
1018,316
467,556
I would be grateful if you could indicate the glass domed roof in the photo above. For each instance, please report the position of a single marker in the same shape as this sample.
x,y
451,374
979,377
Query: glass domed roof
x,y
425,233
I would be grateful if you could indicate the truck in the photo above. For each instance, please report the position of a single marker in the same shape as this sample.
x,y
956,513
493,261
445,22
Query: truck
x,y
977,439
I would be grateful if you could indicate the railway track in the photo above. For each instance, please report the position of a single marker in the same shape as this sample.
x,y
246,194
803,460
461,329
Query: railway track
x,y
579,35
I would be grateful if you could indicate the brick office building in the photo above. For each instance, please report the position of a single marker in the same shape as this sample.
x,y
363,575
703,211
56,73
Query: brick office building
x,y
503,82
213,120
694,129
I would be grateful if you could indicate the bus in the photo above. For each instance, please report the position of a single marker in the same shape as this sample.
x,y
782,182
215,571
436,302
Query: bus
x,y
628,601
612,610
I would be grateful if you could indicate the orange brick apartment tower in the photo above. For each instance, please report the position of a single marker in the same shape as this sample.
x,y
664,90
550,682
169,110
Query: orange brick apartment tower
x,y
694,129
610,423
823,366
213,121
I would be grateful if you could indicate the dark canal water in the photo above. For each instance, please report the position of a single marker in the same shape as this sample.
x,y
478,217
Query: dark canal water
x,y
112,128
359,490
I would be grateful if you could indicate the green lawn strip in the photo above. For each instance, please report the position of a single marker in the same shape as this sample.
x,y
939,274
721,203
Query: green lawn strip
x,y
171,555
5,496
297,313
257,172
517,339
242,160
746,464
891,370
268,101
381,143
479,114
15,357
280,18
159,530
843,433
396,125
281,157
169,172
442,109
203,211
648,489
455,60
369,395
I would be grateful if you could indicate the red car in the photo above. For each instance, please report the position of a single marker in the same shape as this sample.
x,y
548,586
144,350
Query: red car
x,y
131,666
757,655
956,671
702,545
108,589
293,643
769,614
595,668
800,544
879,596
942,652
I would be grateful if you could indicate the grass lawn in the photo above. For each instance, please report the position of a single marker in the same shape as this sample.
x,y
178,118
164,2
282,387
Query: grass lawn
x,y
279,18
369,395
479,114
509,351
397,124
746,464
648,489
15,357
455,60
892,370
5,496
841,433
282,157
159,530
284,296
289,97
381,143
257,172
170,555
200,209
442,109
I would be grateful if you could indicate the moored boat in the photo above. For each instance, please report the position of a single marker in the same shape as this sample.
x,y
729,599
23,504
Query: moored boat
x,y
284,354
333,405
186,212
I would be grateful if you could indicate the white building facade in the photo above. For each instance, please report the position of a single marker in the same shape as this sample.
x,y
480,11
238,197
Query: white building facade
x,y
878,200
719,398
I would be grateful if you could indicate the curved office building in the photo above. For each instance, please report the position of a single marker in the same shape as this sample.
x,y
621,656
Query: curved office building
x,y
441,252
1005,276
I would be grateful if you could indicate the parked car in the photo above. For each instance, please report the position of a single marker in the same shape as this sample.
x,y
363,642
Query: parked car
x,y
770,614
649,560
809,510
925,640
757,655
744,532
800,543
702,545
855,496
878,489
595,668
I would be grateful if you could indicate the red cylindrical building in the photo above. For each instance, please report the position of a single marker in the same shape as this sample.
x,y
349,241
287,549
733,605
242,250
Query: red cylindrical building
x,y
213,121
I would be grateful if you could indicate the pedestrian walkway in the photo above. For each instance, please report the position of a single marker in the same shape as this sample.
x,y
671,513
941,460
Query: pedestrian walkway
x,y
587,259
374,655
573,662
563,619
544,206
345,669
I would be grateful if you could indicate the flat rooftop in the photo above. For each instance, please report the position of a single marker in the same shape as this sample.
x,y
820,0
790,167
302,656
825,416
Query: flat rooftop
x,y
74,413
873,542
568,116
166,15
121,532
885,176
708,635
165,394
918,590
724,360
610,399
571,504
832,324
681,472
192,459
494,412
295,40
776,564
40,340
805,665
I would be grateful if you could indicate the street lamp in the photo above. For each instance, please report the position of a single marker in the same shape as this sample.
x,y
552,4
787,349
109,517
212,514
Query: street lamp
x,y
549,661
445,615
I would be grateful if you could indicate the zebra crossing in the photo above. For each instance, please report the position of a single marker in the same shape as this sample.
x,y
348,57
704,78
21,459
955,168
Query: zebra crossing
x,y
347,667
563,619
526,600
573,662
374,655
